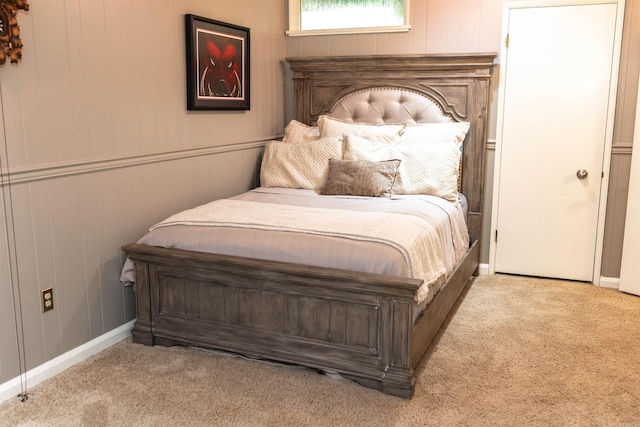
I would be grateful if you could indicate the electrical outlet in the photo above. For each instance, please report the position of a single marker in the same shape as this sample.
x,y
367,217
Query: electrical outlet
x,y
47,299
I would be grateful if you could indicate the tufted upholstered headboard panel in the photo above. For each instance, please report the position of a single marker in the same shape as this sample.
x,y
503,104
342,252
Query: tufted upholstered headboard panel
x,y
388,105
404,89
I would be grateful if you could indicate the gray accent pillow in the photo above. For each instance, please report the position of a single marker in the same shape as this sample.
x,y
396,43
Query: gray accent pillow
x,y
360,177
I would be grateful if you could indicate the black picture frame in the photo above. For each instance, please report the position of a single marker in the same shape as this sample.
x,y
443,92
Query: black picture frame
x,y
217,65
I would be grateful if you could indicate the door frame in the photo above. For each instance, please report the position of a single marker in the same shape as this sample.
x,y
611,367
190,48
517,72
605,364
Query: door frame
x,y
606,161
629,268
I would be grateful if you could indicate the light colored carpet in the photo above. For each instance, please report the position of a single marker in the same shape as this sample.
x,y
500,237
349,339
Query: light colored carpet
x,y
517,352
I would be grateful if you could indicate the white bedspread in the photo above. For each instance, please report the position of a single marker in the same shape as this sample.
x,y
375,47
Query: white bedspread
x,y
425,233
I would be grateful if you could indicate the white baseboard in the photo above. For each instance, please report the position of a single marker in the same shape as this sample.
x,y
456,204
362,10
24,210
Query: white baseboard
x,y
53,367
483,269
609,282
605,282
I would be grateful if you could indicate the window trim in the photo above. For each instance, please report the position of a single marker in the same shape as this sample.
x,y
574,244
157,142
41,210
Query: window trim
x,y
294,24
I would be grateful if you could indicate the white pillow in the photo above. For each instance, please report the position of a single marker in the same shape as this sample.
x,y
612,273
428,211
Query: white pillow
x,y
426,133
424,169
330,126
297,131
300,165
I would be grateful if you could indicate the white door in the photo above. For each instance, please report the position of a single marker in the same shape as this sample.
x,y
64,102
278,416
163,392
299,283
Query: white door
x,y
630,269
552,134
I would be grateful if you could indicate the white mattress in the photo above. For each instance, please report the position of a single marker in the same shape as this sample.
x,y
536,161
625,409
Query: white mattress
x,y
340,249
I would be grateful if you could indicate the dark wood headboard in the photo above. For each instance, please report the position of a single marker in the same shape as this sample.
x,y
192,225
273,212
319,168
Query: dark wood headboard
x,y
459,83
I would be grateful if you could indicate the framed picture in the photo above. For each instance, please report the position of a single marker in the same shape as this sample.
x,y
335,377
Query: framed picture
x,y
217,65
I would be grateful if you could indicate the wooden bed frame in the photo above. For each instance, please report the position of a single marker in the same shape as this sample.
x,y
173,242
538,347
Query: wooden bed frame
x,y
357,324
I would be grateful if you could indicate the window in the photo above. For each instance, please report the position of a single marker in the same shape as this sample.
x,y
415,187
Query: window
x,y
316,17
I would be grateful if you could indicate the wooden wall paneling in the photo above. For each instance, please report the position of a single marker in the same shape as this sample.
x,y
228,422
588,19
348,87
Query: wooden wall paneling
x,y
316,46
69,274
436,23
27,283
619,169
42,334
261,51
126,132
418,29
277,50
133,227
171,103
154,194
616,212
92,197
628,79
341,44
453,25
396,43
77,141
490,31
383,43
54,110
233,171
106,212
293,44
13,146
469,26
8,326
489,166
128,230
367,44
9,368
8,338
146,66
24,123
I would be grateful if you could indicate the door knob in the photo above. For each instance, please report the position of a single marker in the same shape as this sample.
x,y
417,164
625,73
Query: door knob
x,y
582,174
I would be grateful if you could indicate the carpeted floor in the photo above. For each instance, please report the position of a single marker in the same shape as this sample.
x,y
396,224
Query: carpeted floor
x,y
517,352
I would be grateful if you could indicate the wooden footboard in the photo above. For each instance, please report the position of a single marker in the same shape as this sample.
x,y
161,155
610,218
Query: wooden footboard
x,y
360,325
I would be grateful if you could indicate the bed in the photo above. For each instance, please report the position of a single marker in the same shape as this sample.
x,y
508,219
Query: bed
x,y
372,326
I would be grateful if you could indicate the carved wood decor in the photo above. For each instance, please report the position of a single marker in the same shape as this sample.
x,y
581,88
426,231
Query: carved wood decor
x,y
10,43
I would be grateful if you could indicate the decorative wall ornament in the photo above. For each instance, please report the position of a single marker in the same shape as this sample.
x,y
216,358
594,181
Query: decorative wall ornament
x,y
10,43
217,65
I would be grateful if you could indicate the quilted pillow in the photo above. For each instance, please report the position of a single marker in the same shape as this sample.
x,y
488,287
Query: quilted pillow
x,y
425,169
299,132
300,165
360,178
435,132
330,126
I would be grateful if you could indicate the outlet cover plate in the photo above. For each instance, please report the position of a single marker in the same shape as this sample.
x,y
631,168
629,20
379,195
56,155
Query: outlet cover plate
x,y
47,299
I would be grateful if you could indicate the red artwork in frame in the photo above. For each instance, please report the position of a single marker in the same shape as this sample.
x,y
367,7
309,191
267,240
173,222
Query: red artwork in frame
x,y
217,65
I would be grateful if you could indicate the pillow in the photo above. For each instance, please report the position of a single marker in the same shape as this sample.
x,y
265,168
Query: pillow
x,y
435,132
360,178
300,165
330,126
297,131
425,169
